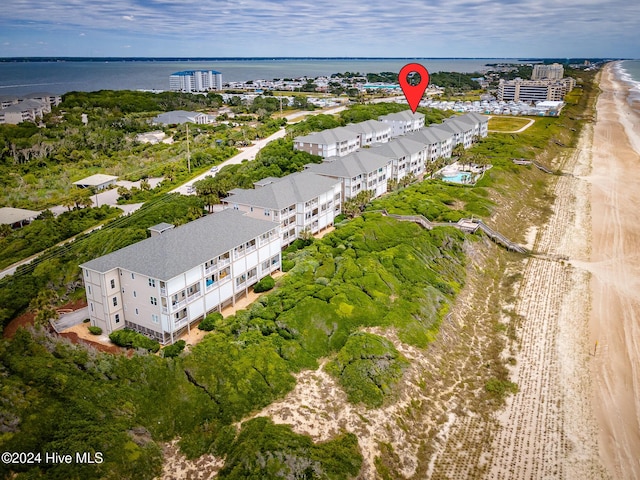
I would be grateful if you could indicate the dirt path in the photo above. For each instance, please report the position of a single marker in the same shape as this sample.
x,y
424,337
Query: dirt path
x,y
615,265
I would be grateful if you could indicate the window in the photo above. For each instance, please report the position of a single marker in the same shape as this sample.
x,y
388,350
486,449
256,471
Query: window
x,y
91,307
132,276
155,318
117,318
89,289
267,213
134,294
152,282
113,283
115,301
136,311
154,301
86,273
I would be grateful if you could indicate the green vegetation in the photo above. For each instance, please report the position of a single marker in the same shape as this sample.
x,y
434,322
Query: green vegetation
x,y
264,285
500,389
209,322
507,124
48,230
368,367
38,165
95,330
171,351
267,451
130,339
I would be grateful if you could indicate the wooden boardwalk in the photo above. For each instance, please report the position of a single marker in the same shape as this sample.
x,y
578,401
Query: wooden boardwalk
x,y
538,165
466,225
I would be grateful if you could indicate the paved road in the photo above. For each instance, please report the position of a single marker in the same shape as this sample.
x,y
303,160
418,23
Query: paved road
x,y
249,153
70,319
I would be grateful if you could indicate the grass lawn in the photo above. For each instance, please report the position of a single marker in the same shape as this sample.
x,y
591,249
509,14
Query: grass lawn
x,y
507,124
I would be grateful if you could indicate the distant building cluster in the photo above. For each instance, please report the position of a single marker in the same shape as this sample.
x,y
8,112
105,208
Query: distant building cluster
x,y
29,108
546,84
189,81
163,285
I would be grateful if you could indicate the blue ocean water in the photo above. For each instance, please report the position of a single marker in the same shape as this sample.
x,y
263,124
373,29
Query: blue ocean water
x,y
20,78
630,72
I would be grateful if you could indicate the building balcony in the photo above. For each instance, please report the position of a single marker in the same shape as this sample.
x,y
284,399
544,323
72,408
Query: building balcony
x,y
192,297
163,291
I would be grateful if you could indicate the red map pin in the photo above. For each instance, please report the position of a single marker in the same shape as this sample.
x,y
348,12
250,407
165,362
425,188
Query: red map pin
x,y
413,93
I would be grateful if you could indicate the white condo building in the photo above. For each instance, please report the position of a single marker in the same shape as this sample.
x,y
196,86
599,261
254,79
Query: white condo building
x,y
403,122
162,285
299,202
195,81
334,142
360,171
407,156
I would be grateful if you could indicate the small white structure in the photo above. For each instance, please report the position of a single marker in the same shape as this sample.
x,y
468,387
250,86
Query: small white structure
x,y
16,217
99,181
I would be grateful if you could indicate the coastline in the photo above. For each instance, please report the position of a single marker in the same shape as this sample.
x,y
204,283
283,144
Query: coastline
x,y
615,267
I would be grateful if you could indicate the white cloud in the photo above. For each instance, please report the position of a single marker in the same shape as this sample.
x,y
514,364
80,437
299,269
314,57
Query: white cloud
x,y
347,27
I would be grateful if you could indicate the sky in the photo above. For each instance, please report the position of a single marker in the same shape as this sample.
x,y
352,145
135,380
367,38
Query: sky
x,y
335,28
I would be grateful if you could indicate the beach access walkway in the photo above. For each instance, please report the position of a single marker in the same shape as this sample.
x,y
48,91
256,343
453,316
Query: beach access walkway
x,y
466,225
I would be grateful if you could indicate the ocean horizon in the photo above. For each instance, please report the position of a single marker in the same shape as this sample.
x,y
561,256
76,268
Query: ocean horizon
x,y
59,75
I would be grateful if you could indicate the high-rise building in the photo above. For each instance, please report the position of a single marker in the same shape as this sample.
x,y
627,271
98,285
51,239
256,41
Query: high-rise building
x,y
535,90
195,81
555,71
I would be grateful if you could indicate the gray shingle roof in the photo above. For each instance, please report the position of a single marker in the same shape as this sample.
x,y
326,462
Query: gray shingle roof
x,y
349,166
332,135
176,251
368,126
403,116
398,147
176,117
294,188
429,135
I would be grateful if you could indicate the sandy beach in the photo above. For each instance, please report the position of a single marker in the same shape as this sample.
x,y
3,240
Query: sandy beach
x,y
615,268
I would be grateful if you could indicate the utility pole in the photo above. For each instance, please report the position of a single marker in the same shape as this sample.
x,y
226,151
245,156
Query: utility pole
x,y
188,155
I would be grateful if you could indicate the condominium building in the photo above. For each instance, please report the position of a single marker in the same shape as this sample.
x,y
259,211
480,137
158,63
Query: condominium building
x,y
300,202
407,156
162,285
438,143
371,131
403,122
534,90
30,108
555,71
361,171
334,142
195,81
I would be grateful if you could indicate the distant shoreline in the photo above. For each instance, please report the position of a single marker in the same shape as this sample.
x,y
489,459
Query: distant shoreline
x,y
275,59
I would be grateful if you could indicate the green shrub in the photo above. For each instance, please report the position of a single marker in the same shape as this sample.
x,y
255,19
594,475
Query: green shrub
x,y
267,283
86,320
288,265
171,351
95,330
129,339
209,322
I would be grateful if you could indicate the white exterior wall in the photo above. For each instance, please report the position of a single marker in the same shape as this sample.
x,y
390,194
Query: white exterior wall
x,y
150,306
100,294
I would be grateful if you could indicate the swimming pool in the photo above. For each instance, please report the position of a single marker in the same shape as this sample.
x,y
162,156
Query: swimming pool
x,y
460,177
